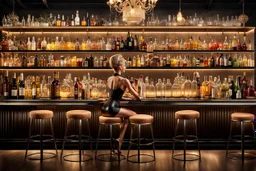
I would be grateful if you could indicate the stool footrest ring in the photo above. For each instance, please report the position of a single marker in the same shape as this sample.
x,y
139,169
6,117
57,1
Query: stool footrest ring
x,y
89,157
141,155
29,156
109,158
191,157
238,156
70,138
47,138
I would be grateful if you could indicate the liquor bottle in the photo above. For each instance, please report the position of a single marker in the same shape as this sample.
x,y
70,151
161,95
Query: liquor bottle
x,y
244,47
44,44
132,42
221,61
72,20
212,61
21,87
33,44
83,21
225,60
55,87
113,44
244,86
250,61
38,90
76,88
6,86
58,22
63,22
199,44
28,44
92,21
91,59
24,60
230,61
83,45
238,88
128,42
225,43
239,47
62,44
33,87
88,23
77,46
205,88
117,44
250,91
245,61
122,44
88,44
38,44
232,91
14,87
77,19
249,47
68,23
234,43
136,43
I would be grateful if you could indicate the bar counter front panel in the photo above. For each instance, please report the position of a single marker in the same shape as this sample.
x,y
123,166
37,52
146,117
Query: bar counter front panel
x,y
213,124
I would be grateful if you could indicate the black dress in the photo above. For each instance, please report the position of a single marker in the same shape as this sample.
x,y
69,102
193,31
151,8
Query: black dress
x,y
112,106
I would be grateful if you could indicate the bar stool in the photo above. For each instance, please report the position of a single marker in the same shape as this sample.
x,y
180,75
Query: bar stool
x,y
241,118
186,115
78,115
138,121
109,121
40,115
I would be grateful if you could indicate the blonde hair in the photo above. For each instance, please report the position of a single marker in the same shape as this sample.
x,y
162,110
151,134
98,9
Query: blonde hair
x,y
116,60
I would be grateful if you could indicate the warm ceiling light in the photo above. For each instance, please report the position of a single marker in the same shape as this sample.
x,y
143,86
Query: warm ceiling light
x,y
133,10
179,15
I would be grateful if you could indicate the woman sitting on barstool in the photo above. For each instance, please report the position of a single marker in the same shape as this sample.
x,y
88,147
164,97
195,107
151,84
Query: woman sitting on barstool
x,y
117,85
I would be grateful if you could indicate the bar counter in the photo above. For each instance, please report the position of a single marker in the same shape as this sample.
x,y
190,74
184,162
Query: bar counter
x,y
213,124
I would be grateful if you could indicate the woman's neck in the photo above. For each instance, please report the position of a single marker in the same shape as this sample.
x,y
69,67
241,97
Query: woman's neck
x,y
117,72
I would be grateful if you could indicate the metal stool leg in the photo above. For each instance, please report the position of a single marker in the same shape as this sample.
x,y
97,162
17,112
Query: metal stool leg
x,y
152,134
242,140
130,141
198,145
80,140
41,140
53,137
90,138
253,130
97,143
63,144
185,140
111,140
175,133
29,135
139,126
229,138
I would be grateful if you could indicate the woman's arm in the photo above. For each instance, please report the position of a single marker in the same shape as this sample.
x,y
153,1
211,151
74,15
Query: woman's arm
x,y
131,89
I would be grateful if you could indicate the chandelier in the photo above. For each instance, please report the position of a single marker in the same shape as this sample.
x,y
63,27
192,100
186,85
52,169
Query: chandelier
x,y
133,10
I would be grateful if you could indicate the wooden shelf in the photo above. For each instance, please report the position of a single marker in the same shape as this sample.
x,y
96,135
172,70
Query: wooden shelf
x,y
129,68
128,51
156,29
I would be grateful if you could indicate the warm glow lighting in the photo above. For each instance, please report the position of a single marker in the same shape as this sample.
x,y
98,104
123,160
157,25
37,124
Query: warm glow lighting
x,y
179,16
133,10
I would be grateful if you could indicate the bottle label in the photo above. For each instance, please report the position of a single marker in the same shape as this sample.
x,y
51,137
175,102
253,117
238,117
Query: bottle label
x,y
229,63
14,92
57,90
6,94
33,91
130,44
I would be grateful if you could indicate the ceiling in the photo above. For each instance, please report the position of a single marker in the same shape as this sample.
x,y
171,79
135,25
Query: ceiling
x,y
55,4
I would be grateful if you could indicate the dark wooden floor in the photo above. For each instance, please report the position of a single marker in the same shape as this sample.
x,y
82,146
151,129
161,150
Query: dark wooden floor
x,y
212,160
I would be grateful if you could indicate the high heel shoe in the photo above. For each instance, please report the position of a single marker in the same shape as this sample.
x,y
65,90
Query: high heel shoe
x,y
115,148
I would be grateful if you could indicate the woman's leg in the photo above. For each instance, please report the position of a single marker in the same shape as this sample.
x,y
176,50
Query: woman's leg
x,y
124,113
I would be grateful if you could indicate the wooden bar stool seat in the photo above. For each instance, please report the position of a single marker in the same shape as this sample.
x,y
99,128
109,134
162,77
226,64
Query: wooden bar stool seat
x,y
242,116
137,121
40,114
187,114
109,120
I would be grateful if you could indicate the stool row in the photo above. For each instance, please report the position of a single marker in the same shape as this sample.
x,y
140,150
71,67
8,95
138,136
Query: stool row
x,y
136,121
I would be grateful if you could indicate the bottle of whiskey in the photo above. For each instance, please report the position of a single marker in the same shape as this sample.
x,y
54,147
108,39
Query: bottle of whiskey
x,y
72,20
76,88
58,22
33,44
83,23
21,87
88,21
63,22
234,43
33,87
14,87
43,44
55,88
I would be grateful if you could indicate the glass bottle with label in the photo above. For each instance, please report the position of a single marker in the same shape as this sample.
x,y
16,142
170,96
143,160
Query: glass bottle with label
x,y
77,19
234,43
33,87
14,87
58,22
55,88
33,44
21,87
44,44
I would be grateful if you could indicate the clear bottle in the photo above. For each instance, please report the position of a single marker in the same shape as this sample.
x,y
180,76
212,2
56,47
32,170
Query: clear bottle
x,y
151,90
159,89
57,44
205,88
44,44
77,19
33,44
187,88
176,88
88,44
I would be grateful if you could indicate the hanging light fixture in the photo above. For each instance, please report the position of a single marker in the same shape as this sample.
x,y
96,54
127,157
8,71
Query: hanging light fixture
x,y
179,15
133,10
243,18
